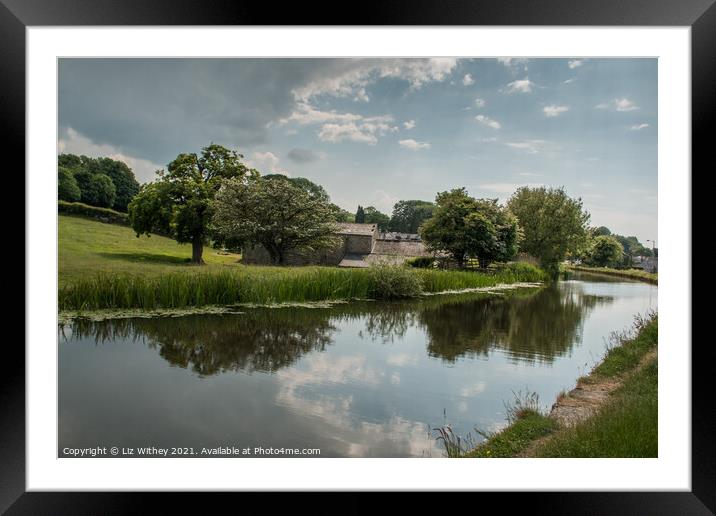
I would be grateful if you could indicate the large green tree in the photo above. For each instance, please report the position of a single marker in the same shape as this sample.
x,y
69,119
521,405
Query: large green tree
x,y
178,203
409,215
553,224
465,227
279,215
360,215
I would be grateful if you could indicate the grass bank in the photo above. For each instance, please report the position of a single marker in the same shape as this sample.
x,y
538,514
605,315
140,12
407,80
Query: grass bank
x,y
625,425
636,274
105,266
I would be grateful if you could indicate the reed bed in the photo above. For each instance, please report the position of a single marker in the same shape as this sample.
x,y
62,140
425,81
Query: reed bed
x,y
272,285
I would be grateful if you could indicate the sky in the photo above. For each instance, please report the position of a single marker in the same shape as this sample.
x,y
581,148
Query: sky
x,y
375,131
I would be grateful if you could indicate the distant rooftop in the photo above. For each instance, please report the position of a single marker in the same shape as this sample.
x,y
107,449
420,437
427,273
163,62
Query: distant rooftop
x,y
352,228
392,235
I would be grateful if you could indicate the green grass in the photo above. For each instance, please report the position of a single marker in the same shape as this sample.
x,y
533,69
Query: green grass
x,y
636,274
104,266
88,247
626,426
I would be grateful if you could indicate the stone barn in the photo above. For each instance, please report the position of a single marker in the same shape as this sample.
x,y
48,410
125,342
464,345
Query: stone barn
x,y
360,245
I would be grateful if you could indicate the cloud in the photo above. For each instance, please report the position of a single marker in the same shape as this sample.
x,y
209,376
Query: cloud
x,y
266,163
414,145
467,80
349,77
530,146
515,64
337,127
575,63
480,102
553,110
622,104
639,127
505,189
361,96
72,142
301,156
570,80
520,86
409,124
487,121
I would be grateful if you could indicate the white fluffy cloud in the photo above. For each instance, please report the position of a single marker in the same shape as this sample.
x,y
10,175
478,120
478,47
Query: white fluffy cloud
x,y
520,86
639,127
480,102
409,124
72,142
487,121
467,80
575,63
266,163
414,145
352,76
553,110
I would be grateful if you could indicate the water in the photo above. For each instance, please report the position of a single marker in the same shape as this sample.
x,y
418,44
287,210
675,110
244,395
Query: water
x,y
356,380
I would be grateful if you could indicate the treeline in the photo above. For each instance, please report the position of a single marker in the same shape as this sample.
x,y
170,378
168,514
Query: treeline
x,y
101,182
407,216
602,248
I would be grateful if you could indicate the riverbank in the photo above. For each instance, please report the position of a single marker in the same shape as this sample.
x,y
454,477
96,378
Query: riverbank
x,y
105,267
612,412
635,274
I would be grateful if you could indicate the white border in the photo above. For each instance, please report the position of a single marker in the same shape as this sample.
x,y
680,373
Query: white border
x,y
670,471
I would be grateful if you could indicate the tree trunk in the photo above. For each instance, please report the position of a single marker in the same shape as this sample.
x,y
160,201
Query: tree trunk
x,y
197,248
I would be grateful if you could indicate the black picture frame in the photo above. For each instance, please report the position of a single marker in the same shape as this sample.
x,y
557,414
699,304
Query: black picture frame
x,y
16,15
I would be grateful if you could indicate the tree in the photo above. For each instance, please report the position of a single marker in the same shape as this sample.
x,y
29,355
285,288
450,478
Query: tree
x,y
606,251
95,189
360,215
373,216
409,215
279,215
67,189
122,177
309,186
553,224
465,227
342,215
178,203
601,231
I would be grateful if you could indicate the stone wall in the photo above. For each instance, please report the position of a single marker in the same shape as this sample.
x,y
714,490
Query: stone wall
x,y
258,255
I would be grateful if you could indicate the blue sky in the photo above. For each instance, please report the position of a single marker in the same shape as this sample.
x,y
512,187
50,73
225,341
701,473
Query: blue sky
x,y
374,131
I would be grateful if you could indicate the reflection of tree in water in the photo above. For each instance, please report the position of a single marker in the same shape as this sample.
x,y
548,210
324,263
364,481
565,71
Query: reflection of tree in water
x,y
528,325
541,326
259,340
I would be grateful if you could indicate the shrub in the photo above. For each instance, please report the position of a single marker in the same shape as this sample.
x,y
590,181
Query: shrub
x,y
67,189
92,212
421,262
393,282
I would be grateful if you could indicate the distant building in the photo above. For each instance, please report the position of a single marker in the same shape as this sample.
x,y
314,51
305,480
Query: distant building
x,y
360,245
646,263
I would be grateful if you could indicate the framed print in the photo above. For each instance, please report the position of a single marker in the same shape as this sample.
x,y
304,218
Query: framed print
x,y
339,257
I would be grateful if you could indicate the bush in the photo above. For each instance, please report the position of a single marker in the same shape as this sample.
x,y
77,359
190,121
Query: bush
x,y
421,262
92,212
393,282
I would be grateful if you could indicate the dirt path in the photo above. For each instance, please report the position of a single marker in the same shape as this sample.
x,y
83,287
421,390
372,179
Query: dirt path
x,y
583,401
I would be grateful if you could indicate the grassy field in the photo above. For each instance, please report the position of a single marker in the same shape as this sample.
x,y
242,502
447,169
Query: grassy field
x,y
636,274
104,266
88,246
625,426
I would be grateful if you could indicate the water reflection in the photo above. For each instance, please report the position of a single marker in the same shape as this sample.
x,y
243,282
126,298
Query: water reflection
x,y
535,325
358,379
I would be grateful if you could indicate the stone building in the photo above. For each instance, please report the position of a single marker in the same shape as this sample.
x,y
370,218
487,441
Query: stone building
x,y
360,245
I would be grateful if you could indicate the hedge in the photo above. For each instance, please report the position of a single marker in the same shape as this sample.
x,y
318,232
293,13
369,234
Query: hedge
x,y
85,210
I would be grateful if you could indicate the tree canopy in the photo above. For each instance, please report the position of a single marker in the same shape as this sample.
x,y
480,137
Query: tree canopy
x,y
465,227
409,215
178,203
360,215
67,189
553,224
373,216
279,215
84,168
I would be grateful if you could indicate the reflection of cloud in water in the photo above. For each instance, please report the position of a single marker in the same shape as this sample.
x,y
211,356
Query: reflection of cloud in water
x,y
395,437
